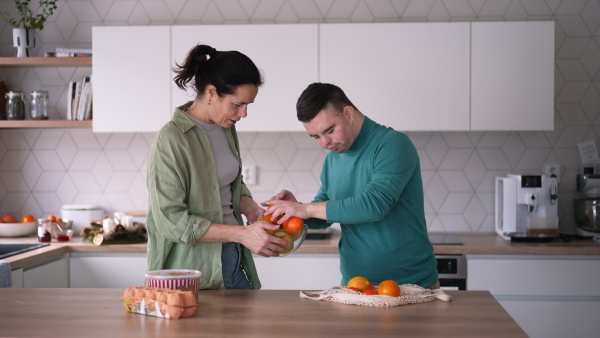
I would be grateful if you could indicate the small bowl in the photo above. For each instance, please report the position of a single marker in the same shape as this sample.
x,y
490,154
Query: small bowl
x,y
295,236
65,224
62,235
17,229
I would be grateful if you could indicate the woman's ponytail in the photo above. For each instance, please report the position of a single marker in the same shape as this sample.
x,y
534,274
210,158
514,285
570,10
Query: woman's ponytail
x,y
224,70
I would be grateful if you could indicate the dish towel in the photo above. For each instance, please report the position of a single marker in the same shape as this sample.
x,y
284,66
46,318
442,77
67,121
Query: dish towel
x,y
5,275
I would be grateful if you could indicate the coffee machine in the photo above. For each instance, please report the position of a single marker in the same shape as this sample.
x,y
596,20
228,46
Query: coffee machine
x,y
526,207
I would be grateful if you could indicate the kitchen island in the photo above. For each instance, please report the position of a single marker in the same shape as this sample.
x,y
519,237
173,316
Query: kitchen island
x,y
249,313
532,281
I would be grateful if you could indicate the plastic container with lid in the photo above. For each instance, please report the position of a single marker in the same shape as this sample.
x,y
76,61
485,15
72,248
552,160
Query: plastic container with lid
x,y
174,279
39,105
81,215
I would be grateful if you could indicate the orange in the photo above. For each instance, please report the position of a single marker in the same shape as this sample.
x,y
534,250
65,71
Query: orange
x,y
294,225
354,289
360,283
27,219
52,218
9,219
59,219
371,292
389,288
268,218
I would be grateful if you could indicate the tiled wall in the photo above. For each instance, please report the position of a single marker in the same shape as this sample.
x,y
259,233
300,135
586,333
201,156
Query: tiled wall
x,y
42,169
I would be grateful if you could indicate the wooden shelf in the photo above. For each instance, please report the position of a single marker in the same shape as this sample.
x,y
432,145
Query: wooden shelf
x,y
45,124
46,61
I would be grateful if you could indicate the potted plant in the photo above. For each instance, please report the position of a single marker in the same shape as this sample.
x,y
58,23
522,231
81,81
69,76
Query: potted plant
x,y
27,22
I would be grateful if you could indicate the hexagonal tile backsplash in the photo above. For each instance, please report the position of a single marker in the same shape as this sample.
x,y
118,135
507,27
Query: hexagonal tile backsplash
x,y
40,170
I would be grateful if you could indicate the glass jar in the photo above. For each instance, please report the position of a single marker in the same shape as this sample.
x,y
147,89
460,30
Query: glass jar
x,y
39,105
44,228
15,106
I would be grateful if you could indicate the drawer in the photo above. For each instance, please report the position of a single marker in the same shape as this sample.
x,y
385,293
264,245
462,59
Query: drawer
x,y
534,275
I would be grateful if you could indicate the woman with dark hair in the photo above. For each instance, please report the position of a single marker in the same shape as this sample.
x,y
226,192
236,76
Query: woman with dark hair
x,y
196,192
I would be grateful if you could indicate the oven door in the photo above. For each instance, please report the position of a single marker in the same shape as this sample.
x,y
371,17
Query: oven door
x,y
452,271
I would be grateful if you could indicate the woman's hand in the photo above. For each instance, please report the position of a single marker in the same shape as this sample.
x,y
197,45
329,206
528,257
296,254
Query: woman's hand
x,y
258,241
255,214
251,209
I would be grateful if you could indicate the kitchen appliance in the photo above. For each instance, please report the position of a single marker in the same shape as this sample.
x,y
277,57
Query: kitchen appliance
x,y
526,207
587,209
81,215
452,272
452,269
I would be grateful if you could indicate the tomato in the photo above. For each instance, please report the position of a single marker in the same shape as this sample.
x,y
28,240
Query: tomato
x,y
370,292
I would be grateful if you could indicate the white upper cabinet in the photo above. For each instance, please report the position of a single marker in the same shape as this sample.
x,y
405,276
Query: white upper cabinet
x,y
131,78
512,84
287,56
409,76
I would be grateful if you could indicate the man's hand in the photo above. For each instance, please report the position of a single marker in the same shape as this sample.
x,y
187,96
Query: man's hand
x,y
284,195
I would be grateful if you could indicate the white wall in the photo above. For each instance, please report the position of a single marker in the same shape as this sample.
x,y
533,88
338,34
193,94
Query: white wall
x,y
42,169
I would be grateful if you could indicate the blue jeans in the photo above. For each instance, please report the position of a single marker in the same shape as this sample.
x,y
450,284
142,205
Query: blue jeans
x,y
234,276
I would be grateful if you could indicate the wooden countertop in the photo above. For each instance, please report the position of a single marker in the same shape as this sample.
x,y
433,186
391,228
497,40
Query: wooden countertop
x,y
249,313
473,245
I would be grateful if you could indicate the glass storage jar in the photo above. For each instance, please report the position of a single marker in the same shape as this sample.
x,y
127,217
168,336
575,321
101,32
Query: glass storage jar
x,y
44,228
15,106
39,105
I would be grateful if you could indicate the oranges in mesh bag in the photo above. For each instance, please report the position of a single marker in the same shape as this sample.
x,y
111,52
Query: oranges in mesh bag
x,y
360,283
387,287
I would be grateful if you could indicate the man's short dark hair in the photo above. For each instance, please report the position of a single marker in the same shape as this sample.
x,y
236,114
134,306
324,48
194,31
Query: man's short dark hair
x,y
316,96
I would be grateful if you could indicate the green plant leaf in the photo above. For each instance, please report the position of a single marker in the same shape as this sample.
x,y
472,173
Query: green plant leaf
x,y
27,17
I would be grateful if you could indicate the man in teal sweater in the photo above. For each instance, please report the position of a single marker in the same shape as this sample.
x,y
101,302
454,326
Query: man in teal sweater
x,y
370,184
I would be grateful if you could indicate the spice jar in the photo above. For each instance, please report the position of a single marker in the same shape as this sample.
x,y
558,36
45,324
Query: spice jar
x,y
44,227
15,106
39,105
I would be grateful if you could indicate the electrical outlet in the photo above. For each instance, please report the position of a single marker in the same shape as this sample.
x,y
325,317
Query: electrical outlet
x,y
553,170
249,173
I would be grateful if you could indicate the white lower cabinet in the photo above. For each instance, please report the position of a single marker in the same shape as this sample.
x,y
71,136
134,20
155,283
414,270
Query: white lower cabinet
x,y
51,273
548,296
299,272
18,280
107,270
